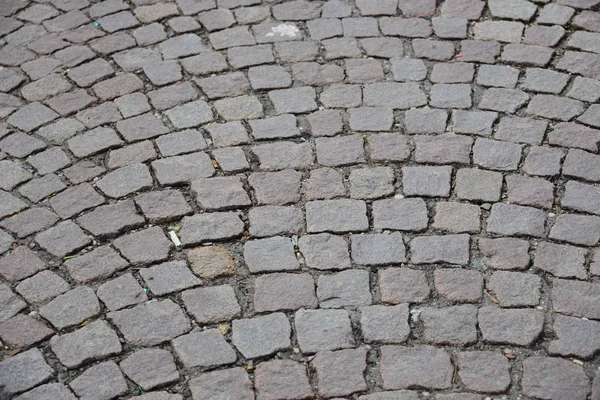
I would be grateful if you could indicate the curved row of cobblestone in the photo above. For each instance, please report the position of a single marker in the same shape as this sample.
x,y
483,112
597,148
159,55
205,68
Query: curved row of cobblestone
x,y
246,199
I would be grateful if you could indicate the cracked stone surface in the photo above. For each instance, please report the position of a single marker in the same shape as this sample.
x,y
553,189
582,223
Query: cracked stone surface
x,y
299,199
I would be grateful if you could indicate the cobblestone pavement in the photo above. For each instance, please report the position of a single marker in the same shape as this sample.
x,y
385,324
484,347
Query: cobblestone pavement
x,y
236,199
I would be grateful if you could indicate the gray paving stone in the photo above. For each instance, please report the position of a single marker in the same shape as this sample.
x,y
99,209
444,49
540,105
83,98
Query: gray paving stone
x,y
169,277
111,219
324,251
581,164
271,254
452,249
443,149
150,368
11,303
12,174
543,35
426,181
248,15
408,69
282,378
145,246
275,331
581,197
103,114
575,336
341,96
360,27
21,145
320,330
585,89
563,261
575,298
483,51
31,116
213,20
220,193
537,56
242,107
371,183
10,204
102,381
400,214
378,249
504,253
71,308
348,288
269,77
340,150
212,304
20,263
405,27
201,228
133,154
125,180
456,217
450,28
446,95
313,74
183,169
231,159
542,161
385,324
95,341
83,171
22,331
484,371
521,130
336,216
150,323
497,76
459,285
164,205
555,14
204,349
419,366
503,100
455,325
515,289
576,229
227,85
388,147
233,383
560,371
276,188
30,221
324,183
371,118
277,292
502,31
554,107
48,390
394,95
24,371
403,285
325,123
121,292
63,239
508,219
324,28
520,327
42,287
529,191
228,134
340,372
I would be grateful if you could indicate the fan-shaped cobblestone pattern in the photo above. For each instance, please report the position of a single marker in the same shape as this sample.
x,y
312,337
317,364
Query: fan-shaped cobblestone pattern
x,y
278,200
